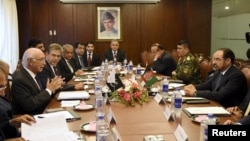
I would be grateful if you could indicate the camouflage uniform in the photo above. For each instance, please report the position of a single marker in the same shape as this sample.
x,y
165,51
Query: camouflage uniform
x,y
188,70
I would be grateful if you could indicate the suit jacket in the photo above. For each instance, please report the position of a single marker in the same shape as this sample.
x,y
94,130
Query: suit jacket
x,y
231,91
65,70
27,98
120,56
6,115
78,64
95,59
165,64
245,120
48,73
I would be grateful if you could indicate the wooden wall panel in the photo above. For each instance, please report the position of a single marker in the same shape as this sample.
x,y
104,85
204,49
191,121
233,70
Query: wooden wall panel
x,y
142,24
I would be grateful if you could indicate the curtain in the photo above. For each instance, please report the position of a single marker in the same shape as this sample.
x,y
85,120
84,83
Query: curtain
x,y
9,44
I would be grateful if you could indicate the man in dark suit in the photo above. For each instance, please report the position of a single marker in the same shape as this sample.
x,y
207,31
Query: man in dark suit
x,y
28,94
243,121
90,57
78,55
228,86
114,52
8,124
67,63
163,62
51,69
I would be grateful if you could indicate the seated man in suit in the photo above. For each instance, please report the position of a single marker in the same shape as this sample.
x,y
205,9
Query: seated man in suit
x,y
28,94
51,69
114,52
163,62
78,55
228,86
67,63
90,57
8,125
188,68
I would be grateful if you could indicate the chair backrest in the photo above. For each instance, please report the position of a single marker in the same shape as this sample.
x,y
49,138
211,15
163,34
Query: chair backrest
x,y
205,67
147,58
246,70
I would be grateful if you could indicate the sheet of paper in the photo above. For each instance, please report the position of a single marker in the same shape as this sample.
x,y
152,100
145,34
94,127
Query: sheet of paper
x,y
48,126
67,95
176,85
69,103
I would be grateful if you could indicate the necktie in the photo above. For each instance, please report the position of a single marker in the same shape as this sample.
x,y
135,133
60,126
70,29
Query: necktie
x,y
55,70
38,82
70,67
115,54
89,59
218,81
81,62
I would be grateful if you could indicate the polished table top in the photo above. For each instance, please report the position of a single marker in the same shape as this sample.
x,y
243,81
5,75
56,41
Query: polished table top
x,y
133,123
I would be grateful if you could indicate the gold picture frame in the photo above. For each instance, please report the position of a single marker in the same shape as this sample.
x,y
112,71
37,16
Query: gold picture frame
x,y
108,23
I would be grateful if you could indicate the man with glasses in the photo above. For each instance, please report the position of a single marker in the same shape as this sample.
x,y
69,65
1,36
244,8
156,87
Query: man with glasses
x,y
68,64
8,124
51,69
29,95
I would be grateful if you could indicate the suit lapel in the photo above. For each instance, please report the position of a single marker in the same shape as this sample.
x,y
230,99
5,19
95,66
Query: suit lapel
x,y
27,75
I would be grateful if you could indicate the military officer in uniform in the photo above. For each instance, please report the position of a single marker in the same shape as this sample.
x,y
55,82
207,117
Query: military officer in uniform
x,y
187,67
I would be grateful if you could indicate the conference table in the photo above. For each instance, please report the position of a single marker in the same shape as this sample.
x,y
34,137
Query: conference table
x,y
133,123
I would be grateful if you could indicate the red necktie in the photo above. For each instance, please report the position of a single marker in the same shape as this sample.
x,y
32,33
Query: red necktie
x,y
55,70
89,59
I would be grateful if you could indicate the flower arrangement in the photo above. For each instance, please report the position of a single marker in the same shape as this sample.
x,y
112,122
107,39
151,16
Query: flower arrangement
x,y
131,94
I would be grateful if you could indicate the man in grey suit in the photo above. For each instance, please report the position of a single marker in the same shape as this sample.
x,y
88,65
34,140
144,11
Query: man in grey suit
x,y
28,94
228,86
115,52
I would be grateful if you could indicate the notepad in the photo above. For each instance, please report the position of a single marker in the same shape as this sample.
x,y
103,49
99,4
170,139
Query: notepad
x,y
69,95
206,110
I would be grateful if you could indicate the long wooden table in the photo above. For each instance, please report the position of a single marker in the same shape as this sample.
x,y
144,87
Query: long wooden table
x,y
133,123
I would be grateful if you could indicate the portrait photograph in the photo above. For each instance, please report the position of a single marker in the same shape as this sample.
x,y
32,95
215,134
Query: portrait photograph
x,y
108,23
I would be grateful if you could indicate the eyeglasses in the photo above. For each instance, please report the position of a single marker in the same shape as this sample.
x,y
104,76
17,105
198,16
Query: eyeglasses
x,y
41,59
2,88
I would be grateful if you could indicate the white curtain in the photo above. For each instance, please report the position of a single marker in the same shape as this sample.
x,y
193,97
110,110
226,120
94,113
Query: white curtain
x,y
9,46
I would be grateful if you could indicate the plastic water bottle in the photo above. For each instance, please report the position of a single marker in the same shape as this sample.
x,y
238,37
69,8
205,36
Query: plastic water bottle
x,y
106,65
204,130
178,105
125,64
138,72
102,129
97,84
211,119
130,67
115,61
99,103
165,84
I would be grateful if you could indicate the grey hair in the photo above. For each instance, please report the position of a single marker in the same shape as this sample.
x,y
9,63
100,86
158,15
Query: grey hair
x,y
65,46
29,53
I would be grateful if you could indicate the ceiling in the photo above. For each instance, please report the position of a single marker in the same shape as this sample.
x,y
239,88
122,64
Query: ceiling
x,y
236,7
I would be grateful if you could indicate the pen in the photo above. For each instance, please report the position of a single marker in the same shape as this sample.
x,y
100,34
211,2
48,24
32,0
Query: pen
x,y
40,116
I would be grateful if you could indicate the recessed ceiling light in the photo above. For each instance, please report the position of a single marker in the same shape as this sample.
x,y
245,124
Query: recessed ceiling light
x,y
227,7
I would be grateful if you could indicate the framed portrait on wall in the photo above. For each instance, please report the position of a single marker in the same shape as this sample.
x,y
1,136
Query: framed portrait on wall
x,y
108,23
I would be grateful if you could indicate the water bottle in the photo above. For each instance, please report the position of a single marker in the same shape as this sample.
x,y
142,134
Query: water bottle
x,y
165,84
115,61
125,64
102,129
106,65
211,119
130,67
138,72
204,130
178,105
97,84
99,103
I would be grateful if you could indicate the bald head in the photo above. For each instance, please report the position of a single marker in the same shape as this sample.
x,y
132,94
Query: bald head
x,y
34,60
4,67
